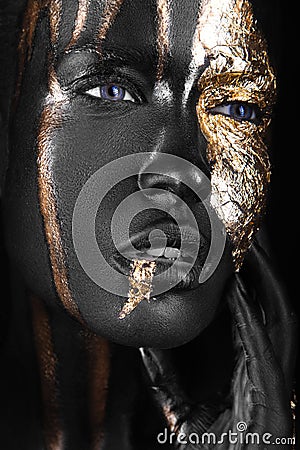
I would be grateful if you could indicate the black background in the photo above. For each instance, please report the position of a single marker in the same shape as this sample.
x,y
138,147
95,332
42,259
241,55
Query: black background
x,y
282,219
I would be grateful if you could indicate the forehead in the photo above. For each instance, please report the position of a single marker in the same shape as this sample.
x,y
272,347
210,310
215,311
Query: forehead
x,y
159,38
169,25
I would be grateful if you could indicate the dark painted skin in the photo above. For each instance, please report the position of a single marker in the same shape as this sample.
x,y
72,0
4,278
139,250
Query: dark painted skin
x,y
93,133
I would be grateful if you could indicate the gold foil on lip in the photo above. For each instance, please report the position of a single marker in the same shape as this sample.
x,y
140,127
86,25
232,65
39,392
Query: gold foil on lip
x,y
140,284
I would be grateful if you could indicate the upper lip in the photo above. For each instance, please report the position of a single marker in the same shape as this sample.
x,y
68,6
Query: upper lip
x,y
186,237
174,236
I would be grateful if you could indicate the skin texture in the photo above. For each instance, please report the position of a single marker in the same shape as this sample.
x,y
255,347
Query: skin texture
x,y
60,135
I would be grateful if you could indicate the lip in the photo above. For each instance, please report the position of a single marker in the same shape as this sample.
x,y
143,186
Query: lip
x,y
187,238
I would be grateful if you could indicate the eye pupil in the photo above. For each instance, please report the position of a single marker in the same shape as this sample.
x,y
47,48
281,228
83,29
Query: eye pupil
x,y
241,111
112,92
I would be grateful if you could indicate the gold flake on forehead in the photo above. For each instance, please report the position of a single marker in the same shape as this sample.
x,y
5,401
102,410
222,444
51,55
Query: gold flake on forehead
x,y
198,59
55,18
140,284
82,12
163,19
239,71
111,10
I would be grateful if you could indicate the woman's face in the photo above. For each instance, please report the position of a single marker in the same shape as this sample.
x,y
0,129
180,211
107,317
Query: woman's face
x,y
99,81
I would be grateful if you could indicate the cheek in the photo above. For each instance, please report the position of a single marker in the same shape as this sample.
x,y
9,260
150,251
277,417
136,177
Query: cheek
x,y
70,149
73,143
84,143
240,173
70,152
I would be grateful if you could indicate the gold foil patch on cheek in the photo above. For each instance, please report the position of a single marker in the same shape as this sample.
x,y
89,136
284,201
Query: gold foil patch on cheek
x,y
140,285
239,71
239,177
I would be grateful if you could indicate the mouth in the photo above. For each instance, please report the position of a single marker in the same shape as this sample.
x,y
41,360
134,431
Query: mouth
x,y
166,244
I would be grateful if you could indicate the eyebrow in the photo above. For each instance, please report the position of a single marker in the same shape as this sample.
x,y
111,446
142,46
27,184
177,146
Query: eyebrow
x,y
123,54
84,62
108,16
130,55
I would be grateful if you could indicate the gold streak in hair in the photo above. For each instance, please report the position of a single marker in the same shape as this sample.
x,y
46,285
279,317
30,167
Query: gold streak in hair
x,y
171,417
111,10
98,370
31,16
163,17
49,123
26,39
55,17
82,12
47,362
239,71
140,285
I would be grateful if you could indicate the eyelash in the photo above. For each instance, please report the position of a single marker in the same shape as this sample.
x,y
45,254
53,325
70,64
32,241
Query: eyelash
x,y
234,110
240,111
106,91
92,87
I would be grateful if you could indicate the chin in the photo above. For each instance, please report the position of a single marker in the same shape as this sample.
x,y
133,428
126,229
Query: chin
x,y
168,320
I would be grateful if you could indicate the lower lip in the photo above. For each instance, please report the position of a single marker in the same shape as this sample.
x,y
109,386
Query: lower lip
x,y
170,274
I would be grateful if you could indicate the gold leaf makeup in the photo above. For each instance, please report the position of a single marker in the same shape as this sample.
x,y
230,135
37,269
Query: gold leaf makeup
x,y
47,361
82,12
25,46
49,121
111,10
163,18
239,71
140,285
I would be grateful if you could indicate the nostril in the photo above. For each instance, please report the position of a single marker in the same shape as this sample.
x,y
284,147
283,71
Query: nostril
x,y
169,186
168,175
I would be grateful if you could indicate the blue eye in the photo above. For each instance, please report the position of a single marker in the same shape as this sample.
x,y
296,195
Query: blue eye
x,y
111,92
238,110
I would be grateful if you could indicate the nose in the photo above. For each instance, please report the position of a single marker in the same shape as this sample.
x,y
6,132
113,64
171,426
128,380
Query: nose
x,y
168,175
177,164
